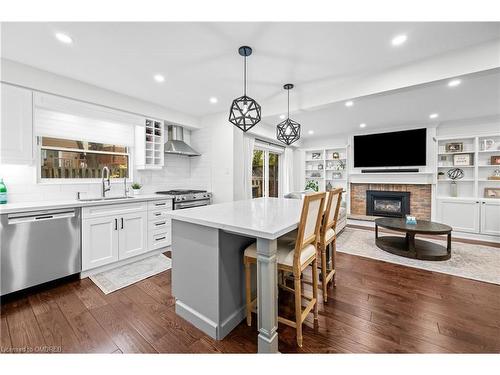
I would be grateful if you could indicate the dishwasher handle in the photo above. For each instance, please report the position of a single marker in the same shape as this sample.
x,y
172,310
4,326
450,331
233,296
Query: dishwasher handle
x,y
41,217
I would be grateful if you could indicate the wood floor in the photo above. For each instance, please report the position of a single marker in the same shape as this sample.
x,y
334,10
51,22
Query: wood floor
x,y
376,307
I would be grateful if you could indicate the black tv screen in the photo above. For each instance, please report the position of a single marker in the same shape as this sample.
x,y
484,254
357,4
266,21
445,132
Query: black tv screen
x,y
394,149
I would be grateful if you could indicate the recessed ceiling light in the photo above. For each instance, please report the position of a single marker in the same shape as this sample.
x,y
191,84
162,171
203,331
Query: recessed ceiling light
x,y
213,100
63,38
282,117
399,39
454,82
349,103
363,125
433,115
159,78
310,132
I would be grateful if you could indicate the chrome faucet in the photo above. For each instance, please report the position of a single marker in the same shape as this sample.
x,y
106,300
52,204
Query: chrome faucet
x,y
104,179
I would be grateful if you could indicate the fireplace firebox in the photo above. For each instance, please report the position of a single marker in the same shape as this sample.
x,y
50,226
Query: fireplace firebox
x,y
387,203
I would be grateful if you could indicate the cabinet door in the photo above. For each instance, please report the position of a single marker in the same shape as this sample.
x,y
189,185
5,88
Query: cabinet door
x,y
490,218
99,241
462,216
133,234
16,138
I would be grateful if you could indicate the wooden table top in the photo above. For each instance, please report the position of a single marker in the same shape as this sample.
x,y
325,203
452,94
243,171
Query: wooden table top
x,y
422,226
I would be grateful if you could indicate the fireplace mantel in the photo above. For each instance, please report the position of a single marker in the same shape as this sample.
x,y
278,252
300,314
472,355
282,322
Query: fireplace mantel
x,y
418,178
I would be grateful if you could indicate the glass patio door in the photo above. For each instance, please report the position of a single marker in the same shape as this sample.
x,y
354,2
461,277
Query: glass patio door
x,y
265,173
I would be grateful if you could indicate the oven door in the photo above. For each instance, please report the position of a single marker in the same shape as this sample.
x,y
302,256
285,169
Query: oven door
x,y
181,205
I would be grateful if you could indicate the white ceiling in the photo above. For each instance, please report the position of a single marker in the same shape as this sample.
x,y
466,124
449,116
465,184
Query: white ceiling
x,y
478,95
200,60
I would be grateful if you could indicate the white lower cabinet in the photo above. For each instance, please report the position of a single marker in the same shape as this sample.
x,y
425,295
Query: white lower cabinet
x,y
461,215
490,218
133,234
469,215
99,242
114,232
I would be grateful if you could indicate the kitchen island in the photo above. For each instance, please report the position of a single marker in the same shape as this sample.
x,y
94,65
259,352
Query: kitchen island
x,y
207,263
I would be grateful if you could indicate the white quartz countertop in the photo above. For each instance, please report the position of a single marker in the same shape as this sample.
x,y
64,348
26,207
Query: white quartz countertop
x,y
47,205
267,218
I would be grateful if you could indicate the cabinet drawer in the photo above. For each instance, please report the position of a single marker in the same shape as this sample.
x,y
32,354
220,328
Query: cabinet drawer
x,y
159,239
113,209
163,204
158,224
158,215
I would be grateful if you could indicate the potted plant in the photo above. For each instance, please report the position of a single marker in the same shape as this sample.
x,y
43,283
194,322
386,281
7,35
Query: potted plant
x,y
312,185
136,188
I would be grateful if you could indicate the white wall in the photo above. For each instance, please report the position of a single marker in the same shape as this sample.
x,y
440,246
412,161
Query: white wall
x,y
474,127
21,180
27,76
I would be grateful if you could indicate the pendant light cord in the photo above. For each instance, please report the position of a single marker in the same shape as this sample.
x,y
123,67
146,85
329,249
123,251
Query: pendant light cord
x,y
245,76
288,90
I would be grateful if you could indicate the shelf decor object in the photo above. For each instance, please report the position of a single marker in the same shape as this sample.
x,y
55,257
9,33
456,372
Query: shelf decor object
x,y
245,112
288,131
462,160
495,160
454,147
455,174
487,144
492,193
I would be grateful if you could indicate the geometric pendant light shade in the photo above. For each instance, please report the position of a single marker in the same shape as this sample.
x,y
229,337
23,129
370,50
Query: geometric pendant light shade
x,y
288,131
245,112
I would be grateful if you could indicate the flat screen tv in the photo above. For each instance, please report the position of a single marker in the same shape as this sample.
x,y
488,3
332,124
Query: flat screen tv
x,y
394,149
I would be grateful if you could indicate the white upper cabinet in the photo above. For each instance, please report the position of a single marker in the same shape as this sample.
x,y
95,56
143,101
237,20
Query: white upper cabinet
x,y
16,134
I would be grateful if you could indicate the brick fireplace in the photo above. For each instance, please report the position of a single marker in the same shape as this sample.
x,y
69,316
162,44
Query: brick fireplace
x,y
420,197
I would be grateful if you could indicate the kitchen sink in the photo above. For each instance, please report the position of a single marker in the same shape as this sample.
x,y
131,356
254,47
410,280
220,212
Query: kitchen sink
x,y
104,199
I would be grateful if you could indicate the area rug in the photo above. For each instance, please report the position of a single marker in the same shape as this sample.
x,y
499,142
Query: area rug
x,y
117,278
471,261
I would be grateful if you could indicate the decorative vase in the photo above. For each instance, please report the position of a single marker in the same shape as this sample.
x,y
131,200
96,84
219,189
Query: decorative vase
x,y
453,189
136,191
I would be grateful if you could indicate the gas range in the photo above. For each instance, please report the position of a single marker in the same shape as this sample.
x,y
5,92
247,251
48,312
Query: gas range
x,y
185,198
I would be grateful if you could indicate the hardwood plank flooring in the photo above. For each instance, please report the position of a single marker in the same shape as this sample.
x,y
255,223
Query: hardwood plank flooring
x,y
376,307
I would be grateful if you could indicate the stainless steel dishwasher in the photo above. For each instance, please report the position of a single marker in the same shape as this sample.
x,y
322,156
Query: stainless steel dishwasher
x,y
39,246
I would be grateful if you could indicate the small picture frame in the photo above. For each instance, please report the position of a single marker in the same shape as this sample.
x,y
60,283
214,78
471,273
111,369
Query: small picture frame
x,y
462,160
495,160
316,155
492,193
454,147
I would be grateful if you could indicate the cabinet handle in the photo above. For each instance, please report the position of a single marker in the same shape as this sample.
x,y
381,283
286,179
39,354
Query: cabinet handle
x,y
160,238
160,204
162,223
122,222
484,202
116,224
477,201
158,214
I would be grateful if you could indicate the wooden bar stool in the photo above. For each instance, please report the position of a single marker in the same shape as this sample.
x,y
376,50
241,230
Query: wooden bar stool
x,y
294,258
328,238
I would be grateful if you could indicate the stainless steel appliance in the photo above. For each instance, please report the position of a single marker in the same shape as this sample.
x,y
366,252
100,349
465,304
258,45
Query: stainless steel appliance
x,y
175,142
39,246
188,198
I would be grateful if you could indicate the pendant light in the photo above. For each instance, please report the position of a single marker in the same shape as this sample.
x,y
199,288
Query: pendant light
x,y
288,131
245,112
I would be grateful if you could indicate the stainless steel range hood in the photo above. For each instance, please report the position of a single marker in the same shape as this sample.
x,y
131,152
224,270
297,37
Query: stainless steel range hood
x,y
175,142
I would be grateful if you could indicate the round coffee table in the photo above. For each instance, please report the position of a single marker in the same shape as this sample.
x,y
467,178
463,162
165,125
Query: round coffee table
x,y
410,247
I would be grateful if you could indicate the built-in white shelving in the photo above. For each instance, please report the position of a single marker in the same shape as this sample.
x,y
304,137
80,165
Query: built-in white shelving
x,y
329,168
475,179
149,144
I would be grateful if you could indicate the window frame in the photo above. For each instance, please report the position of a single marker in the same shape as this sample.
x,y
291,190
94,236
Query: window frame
x,y
58,181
